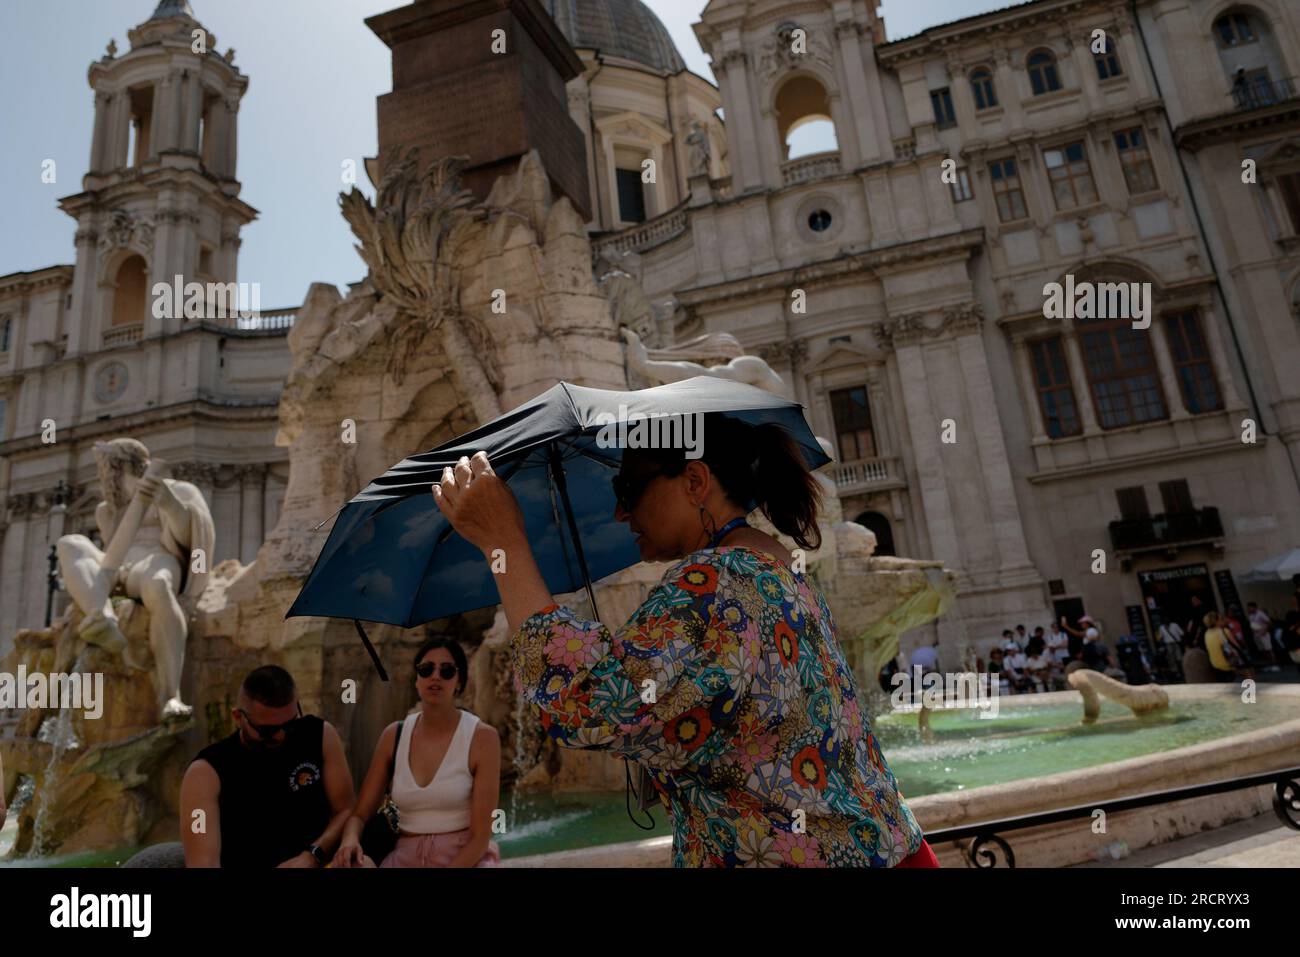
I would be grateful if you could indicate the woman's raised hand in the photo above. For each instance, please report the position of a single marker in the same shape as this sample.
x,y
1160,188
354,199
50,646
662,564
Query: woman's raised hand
x,y
349,854
481,507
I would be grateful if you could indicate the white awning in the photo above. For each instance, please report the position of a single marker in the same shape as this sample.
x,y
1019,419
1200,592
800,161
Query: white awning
x,y
1277,569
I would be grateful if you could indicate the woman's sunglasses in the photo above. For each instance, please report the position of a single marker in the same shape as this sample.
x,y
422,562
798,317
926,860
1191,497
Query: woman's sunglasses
x,y
271,730
446,672
628,489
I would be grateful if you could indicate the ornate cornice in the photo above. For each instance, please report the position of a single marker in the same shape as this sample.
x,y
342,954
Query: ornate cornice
x,y
910,328
26,505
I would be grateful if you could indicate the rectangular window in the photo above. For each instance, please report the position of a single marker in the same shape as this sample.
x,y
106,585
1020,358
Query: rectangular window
x,y
1192,362
1288,185
961,191
854,438
1006,190
631,196
1132,503
1107,62
1071,175
1055,393
1177,497
944,115
1135,160
1121,370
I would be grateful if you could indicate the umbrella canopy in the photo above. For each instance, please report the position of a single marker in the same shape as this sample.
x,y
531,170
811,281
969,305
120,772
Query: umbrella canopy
x,y
393,557
1280,568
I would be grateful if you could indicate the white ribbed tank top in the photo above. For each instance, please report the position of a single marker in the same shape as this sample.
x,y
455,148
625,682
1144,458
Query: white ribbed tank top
x,y
444,805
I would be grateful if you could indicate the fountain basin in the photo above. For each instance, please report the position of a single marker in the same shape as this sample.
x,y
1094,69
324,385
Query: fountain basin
x,y
1274,745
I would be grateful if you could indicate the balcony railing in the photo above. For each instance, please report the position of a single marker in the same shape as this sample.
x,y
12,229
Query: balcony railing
x,y
123,335
1256,92
269,320
807,168
654,232
863,474
1165,530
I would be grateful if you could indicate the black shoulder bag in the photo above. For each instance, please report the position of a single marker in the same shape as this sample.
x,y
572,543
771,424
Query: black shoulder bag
x,y
380,834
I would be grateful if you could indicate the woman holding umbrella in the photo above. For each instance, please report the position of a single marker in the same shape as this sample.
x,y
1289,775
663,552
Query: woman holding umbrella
x,y
728,683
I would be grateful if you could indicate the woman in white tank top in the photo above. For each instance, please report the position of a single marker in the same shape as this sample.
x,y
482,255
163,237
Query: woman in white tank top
x,y
445,773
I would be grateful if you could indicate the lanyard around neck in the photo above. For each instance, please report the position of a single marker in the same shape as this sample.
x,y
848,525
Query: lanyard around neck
x,y
726,530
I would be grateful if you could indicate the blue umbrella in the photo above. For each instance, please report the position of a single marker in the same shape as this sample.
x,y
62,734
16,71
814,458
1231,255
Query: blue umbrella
x,y
393,557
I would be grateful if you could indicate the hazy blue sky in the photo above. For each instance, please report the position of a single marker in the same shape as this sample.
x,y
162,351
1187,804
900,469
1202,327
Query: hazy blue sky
x,y
314,69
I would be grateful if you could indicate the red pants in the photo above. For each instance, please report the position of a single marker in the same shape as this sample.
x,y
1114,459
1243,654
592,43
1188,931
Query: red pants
x,y
924,857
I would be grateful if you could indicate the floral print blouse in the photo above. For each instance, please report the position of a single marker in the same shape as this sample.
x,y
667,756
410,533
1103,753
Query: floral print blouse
x,y
729,685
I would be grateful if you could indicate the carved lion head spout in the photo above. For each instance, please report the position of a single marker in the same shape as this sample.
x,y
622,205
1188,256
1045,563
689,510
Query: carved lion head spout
x,y
120,462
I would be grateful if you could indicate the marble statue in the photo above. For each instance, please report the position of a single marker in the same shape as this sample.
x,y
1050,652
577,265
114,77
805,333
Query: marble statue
x,y
1093,686
698,141
748,369
159,536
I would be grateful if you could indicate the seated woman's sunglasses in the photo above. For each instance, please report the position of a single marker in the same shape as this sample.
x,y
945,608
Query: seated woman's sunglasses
x,y
446,672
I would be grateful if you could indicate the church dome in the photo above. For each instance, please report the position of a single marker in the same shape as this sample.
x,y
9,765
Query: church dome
x,y
621,28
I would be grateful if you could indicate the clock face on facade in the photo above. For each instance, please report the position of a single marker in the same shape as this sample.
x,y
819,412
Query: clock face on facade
x,y
110,382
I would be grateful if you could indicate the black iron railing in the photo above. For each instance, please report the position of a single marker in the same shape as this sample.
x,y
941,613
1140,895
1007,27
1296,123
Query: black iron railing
x,y
1251,93
1166,529
986,839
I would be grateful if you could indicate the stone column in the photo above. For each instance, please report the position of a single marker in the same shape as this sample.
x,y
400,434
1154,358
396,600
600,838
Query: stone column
x,y
252,479
192,114
1008,532
155,121
1079,379
1025,366
174,106
119,131
881,426
1083,62
215,134
868,147
1131,60
99,141
1223,368
1008,92
740,126
1168,376
232,136
923,425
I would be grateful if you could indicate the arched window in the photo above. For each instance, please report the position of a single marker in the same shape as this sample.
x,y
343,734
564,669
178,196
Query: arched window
x,y
1251,59
881,528
1236,28
1122,373
986,94
129,297
1043,74
803,115
1107,62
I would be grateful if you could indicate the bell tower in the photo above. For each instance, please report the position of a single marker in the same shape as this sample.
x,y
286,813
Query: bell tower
x,y
160,198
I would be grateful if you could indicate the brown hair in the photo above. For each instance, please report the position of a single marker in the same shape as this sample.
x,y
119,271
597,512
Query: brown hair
x,y
758,466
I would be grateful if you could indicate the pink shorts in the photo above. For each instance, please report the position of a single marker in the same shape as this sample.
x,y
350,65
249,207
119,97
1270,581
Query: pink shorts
x,y
436,850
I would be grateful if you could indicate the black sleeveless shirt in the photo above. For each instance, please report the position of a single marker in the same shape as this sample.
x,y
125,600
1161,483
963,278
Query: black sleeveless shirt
x,y
273,805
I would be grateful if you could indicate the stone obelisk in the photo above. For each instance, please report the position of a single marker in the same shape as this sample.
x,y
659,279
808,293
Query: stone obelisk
x,y
485,79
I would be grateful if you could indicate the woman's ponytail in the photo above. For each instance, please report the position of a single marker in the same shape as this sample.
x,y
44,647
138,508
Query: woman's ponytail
x,y
787,492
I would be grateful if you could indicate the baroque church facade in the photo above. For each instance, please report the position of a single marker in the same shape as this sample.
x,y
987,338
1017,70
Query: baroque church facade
x,y
894,279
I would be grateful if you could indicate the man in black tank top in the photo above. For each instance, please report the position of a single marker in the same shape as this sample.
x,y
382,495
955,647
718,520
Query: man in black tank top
x,y
276,793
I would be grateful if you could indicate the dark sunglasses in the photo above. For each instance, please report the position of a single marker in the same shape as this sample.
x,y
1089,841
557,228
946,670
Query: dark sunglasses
x,y
628,489
446,672
271,730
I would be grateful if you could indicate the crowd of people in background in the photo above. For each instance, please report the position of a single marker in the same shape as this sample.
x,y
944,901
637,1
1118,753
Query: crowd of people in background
x,y
1238,644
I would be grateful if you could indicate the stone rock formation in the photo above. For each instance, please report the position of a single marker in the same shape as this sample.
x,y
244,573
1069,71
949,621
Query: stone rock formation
x,y
92,782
